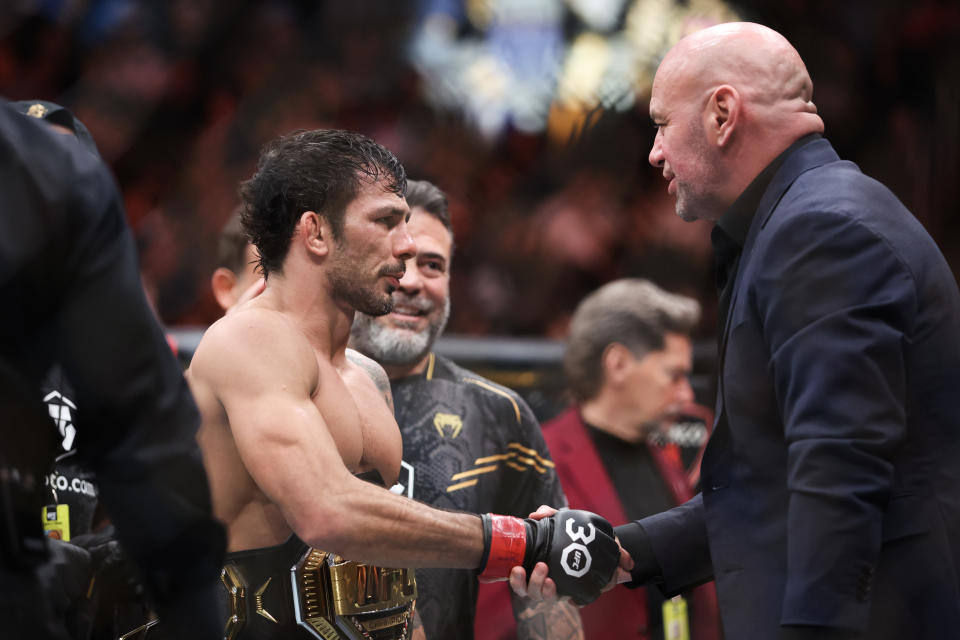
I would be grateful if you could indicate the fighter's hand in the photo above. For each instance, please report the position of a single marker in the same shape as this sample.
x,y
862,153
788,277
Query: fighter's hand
x,y
578,548
539,588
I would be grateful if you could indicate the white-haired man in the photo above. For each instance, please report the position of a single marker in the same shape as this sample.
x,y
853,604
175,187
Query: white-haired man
x,y
468,443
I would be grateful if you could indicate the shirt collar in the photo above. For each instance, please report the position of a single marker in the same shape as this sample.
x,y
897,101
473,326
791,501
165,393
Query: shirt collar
x,y
734,224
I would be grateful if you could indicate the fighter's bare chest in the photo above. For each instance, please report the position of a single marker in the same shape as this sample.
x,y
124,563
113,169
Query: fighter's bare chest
x,y
362,426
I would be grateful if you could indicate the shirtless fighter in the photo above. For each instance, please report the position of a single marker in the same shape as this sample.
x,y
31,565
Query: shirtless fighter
x,y
291,419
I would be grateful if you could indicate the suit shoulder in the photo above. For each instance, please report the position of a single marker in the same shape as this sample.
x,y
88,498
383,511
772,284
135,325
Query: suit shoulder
x,y
71,179
841,189
49,157
838,205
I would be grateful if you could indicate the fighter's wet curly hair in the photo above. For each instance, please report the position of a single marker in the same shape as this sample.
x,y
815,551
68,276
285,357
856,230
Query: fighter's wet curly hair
x,y
317,170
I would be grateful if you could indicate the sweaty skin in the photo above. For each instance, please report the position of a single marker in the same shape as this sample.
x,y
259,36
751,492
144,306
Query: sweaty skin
x,y
289,418
726,100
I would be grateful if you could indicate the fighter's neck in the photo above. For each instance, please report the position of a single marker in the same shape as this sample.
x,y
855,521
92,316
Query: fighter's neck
x,y
325,323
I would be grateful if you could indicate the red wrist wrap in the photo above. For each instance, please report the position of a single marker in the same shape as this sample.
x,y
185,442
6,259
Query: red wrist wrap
x,y
508,543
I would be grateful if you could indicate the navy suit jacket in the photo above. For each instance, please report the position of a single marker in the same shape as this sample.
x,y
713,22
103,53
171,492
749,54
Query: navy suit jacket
x,y
831,482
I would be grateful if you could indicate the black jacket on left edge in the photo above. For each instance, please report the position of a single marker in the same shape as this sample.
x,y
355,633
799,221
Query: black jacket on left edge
x,y
71,292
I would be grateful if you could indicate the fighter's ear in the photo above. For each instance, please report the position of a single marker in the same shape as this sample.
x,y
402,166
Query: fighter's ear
x,y
723,114
315,233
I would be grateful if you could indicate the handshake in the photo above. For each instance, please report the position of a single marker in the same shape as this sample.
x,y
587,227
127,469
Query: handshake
x,y
578,547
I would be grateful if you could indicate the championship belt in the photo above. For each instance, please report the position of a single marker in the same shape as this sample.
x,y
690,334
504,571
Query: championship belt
x,y
335,599
293,591
276,591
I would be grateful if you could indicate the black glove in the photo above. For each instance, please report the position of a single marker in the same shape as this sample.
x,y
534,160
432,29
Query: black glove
x,y
577,546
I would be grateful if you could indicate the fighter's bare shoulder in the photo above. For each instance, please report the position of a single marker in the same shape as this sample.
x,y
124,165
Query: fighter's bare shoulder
x,y
255,347
376,373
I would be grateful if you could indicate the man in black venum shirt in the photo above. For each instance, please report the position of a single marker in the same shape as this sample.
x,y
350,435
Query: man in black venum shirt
x,y
469,444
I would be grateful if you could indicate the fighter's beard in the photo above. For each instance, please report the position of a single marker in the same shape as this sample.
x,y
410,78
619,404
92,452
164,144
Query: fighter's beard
x,y
347,287
393,346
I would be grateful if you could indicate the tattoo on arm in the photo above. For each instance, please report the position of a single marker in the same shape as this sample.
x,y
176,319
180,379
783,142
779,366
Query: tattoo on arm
x,y
376,373
543,620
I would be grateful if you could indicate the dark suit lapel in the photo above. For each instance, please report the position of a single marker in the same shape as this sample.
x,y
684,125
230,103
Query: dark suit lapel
x,y
809,156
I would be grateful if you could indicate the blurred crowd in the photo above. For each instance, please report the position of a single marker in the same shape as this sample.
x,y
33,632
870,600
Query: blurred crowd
x,y
181,94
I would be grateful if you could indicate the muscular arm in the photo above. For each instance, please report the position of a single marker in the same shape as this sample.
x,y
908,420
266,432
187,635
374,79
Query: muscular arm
x,y
546,619
265,375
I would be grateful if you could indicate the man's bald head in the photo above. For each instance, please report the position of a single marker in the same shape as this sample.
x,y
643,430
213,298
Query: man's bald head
x,y
755,59
742,94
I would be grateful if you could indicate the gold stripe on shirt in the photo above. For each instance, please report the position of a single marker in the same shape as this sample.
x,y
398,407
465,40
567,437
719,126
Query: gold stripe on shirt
x,y
461,485
532,453
474,472
481,383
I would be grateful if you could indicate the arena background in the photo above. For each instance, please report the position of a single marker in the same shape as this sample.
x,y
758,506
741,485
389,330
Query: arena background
x,y
530,114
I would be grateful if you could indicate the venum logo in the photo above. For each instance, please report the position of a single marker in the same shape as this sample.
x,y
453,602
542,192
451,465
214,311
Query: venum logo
x,y
576,559
444,422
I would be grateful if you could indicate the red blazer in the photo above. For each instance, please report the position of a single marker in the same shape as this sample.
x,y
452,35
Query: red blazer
x,y
622,612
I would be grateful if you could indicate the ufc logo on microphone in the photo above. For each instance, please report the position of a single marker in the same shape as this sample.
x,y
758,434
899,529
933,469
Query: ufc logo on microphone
x,y
576,558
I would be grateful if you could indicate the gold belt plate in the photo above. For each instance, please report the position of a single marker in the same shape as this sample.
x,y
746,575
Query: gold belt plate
x,y
333,594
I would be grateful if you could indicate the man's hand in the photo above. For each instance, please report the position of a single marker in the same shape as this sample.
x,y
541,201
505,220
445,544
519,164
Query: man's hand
x,y
577,549
542,587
